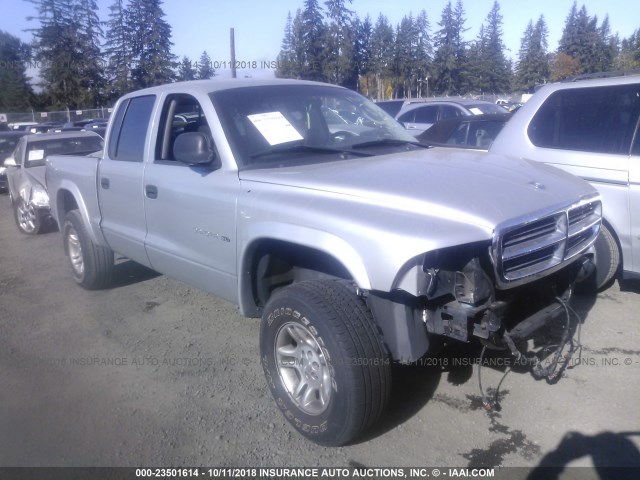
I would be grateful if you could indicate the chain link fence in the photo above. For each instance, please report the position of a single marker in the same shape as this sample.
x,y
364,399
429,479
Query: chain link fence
x,y
63,116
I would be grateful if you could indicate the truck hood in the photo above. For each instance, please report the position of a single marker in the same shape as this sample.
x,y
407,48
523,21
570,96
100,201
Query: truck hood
x,y
479,188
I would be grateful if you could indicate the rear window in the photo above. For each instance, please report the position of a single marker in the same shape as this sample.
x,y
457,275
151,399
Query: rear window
x,y
485,108
392,107
596,119
37,151
130,129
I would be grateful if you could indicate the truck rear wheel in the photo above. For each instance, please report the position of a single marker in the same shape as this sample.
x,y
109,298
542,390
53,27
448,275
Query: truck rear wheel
x,y
91,265
324,361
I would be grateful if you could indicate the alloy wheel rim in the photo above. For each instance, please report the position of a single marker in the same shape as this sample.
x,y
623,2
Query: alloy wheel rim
x,y
26,217
75,252
303,368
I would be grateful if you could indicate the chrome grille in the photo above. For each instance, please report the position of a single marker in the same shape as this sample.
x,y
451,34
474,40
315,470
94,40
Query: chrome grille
x,y
543,245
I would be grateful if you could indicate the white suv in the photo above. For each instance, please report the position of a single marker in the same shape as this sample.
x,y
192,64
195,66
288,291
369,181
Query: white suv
x,y
590,128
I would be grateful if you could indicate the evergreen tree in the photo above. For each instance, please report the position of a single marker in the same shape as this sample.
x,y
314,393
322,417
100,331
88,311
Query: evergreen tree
x,y
382,41
88,37
363,60
629,55
423,52
606,47
15,90
404,58
532,67
55,50
297,47
474,75
450,57
570,41
339,54
461,46
494,73
313,36
118,52
186,71
287,55
205,67
591,46
150,35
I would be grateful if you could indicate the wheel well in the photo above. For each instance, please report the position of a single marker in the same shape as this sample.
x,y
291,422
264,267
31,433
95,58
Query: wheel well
x,y
275,264
66,203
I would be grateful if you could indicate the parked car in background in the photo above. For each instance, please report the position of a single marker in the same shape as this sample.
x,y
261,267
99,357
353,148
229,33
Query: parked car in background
x,y
98,126
81,125
8,141
40,128
22,125
420,114
477,132
392,107
590,127
26,169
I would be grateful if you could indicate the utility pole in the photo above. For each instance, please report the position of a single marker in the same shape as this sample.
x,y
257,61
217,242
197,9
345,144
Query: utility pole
x,y
233,54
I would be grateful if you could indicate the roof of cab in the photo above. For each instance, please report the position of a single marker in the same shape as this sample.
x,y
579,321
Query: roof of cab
x,y
217,84
59,135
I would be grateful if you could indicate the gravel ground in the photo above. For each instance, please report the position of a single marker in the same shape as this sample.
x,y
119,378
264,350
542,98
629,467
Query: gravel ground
x,y
153,372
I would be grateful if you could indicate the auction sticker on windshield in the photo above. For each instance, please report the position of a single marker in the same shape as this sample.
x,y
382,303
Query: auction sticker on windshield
x,y
36,155
274,127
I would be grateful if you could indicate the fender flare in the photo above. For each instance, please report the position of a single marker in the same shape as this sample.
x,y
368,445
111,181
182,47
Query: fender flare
x,y
67,187
324,242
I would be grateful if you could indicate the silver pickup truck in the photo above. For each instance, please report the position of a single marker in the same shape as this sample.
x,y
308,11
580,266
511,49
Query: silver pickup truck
x,y
307,205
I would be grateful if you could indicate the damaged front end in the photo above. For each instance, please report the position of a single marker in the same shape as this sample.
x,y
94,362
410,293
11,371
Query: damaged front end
x,y
500,293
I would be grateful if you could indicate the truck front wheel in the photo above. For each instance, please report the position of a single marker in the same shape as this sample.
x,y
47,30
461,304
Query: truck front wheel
x,y
91,265
27,217
324,361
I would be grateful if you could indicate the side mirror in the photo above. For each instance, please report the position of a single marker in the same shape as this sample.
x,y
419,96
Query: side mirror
x,y
10,162
195,148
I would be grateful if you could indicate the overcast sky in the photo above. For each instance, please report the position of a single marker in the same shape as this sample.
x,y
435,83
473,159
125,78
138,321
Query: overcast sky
x,y
199,25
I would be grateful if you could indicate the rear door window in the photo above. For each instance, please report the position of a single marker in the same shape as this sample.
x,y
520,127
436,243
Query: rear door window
x,y
596,119
459,137
407,117
447,111
131,123
426,114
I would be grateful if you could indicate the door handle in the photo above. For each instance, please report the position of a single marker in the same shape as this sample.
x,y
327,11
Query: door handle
x,y
151,191
104,183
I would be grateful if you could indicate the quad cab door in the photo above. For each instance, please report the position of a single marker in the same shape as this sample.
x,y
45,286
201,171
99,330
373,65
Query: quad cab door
x,y
120,175
190,209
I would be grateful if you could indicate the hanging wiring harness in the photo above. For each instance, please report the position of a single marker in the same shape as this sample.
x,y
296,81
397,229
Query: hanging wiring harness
x,y
552,371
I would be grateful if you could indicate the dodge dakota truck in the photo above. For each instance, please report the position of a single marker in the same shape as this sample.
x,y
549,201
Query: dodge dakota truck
x,y
308,206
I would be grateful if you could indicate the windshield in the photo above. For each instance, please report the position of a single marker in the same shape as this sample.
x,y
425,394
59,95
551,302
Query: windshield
x,y
283,125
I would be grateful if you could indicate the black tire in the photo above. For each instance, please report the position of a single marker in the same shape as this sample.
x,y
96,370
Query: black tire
x,y
91,265
607,258
341,345
27,217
